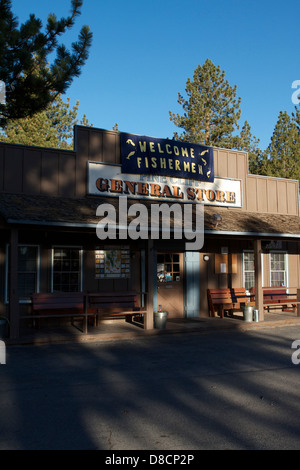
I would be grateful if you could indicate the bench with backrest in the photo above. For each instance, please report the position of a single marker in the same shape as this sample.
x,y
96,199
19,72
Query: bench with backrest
x,y
278,297
57,304
84,305
117,304
224,300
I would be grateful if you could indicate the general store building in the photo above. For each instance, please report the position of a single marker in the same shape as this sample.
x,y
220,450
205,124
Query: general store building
x,y
48,242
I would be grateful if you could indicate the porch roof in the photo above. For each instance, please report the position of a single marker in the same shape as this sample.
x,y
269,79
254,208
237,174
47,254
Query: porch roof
x,y
81,212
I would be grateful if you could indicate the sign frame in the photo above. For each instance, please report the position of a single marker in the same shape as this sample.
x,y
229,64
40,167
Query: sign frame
x,y
142,154
112,185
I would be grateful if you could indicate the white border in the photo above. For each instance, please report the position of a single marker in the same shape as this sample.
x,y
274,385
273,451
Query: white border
x,y
92,190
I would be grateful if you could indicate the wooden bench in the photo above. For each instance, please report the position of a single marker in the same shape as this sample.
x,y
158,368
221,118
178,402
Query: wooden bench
x,y
223,300
114,304
277,297
57,304
85,305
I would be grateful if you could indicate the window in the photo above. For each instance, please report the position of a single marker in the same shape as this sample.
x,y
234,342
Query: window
x,y
66,269
249,273
28,272
278,271
168,267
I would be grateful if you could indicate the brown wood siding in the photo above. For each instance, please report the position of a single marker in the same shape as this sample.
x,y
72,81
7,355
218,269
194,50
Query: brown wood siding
x,y
231,164
32,176
13,170
94,145
272,195
30,170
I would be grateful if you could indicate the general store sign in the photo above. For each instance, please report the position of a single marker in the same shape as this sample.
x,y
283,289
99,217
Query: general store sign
x,y
151,156
107,180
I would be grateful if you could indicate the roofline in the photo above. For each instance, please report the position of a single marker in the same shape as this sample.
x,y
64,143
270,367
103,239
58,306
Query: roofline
x,y
206,231
256,234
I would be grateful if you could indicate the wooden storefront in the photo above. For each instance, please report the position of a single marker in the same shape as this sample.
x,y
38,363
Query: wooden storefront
x,y
49,243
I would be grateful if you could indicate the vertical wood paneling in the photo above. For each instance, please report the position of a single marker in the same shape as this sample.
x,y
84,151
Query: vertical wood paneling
x,y
216,161
32,171
109,148
292,197
262,199
82,135
95,146
251,194
222,163
241,166
49,173
242,174
67,175
282,197
272,195
293,270
13,169
232,165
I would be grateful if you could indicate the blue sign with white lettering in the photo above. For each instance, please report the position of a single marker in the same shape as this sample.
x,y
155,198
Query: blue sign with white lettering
x,y
149,155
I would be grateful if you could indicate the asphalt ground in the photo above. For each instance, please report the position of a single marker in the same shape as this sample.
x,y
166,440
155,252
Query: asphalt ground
x,y
211,390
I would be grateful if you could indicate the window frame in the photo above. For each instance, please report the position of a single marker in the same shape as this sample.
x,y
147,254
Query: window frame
x,y
76,247
38,271
244,270
286,271
174,272
262,266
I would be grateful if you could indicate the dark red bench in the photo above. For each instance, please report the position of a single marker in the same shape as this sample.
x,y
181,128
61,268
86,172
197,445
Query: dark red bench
x,y
57,304
222,300
277,297
114,303
85,305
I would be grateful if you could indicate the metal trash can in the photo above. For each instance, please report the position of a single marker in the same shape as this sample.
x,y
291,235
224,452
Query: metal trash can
x,y
160,320
256,315
248,313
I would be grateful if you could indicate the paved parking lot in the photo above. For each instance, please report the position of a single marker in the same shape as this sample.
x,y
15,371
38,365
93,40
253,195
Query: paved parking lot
x,y
228,389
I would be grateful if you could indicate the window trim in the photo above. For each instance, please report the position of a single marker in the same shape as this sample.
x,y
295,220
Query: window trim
x,y
262,266
80,248
172,262
38,280
286,261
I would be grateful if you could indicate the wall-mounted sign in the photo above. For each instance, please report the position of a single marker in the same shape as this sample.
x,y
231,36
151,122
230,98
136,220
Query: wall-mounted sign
x,y
148,155
108,180
112,263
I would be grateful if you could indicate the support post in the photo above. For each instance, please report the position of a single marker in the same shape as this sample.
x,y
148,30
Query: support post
x,y
259,300
14,312
148,321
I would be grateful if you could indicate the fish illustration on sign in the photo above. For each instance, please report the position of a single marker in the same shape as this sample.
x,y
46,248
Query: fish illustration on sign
x,y
130,141
208,173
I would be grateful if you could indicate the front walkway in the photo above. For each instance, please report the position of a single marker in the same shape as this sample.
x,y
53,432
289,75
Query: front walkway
x,y
117,329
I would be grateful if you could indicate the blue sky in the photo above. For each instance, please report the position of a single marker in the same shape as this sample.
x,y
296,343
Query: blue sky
x,y
144,51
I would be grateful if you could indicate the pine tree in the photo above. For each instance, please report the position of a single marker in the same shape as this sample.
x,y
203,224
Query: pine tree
x,y
249,143
296,117
52,127
284,149
211,109
31,84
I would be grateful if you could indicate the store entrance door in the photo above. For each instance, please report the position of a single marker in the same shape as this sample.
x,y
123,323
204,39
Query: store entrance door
x,y
170,283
